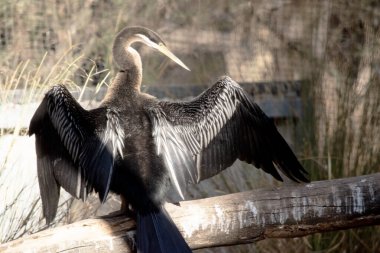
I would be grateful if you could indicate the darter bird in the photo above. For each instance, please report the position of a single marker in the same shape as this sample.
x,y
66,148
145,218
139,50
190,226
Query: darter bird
x,y
137,146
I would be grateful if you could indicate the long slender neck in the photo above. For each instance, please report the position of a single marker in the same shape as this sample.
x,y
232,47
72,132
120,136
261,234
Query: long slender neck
x,y
126,84
128,80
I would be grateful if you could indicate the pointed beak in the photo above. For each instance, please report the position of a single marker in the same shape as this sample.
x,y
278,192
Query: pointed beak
x,y
163,49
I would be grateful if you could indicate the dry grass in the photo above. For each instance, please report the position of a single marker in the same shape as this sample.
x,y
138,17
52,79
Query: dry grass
x,y
332,45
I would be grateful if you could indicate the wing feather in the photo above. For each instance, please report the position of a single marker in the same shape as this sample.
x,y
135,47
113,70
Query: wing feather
x,y
76,148
216,128
169,142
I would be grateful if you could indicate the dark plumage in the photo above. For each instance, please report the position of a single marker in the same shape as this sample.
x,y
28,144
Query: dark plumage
x,y
135,145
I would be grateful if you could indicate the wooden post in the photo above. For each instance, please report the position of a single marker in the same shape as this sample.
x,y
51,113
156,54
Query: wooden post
x,y
239,218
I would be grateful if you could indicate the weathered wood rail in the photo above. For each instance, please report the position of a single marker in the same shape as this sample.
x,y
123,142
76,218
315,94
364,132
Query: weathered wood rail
x,y
239,218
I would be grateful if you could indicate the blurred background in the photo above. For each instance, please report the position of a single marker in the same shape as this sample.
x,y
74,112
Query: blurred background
x,y
313,66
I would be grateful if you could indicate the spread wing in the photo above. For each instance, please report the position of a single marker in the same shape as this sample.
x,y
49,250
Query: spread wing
x,y
75,148
199,138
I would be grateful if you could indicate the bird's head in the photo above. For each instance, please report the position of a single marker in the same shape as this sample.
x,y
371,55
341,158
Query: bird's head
x,y
129,35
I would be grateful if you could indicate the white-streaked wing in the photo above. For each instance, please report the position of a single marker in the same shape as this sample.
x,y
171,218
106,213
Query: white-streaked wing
x,y
216,128
73,151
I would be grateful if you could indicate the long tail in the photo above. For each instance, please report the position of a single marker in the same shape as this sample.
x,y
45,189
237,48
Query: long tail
x,y
157,233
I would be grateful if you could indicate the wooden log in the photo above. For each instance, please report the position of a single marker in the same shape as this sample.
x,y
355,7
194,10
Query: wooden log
x,y
245,217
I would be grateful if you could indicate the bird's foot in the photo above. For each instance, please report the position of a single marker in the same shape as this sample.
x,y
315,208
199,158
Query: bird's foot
x,y
176,203
120,213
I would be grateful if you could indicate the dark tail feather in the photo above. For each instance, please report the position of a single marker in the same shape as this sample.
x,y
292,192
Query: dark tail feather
x,y
156,233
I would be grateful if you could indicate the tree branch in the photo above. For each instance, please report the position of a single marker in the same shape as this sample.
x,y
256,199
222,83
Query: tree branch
x,y
239,218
